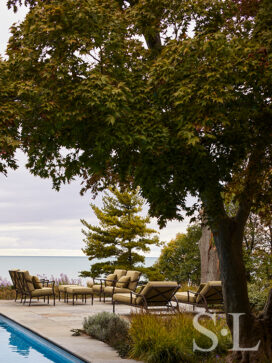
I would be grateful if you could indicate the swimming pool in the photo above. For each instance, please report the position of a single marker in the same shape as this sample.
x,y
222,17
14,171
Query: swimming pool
x,y
18,344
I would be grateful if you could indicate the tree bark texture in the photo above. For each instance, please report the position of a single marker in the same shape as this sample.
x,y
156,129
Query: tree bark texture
x,y
252,329
208,256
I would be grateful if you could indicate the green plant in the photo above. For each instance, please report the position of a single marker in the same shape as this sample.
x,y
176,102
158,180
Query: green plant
x,y
180,258
109,328
7,293
160,339
257,293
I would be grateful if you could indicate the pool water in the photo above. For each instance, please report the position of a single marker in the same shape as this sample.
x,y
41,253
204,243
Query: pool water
x,y
18,345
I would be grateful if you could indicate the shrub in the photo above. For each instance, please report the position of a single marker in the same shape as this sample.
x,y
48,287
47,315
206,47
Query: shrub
x,y
6,290
7,293
109,328
161,339
258,294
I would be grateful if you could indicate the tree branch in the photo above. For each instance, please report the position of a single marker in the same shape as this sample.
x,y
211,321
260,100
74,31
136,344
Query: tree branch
x,y
251,186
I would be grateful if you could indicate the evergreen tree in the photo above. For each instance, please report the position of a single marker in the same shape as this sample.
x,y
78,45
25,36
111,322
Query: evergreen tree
x,y
122,233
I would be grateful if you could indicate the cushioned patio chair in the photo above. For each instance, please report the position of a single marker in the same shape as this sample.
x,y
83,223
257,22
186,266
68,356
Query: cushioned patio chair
x,y
76,291
209,296
16,284
155,295
125,284
110,280
33,287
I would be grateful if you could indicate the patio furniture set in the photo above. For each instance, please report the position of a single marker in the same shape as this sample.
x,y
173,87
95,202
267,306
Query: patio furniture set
x,y
121,287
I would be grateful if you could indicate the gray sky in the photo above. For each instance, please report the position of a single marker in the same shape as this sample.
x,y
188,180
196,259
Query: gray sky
x,y
34,218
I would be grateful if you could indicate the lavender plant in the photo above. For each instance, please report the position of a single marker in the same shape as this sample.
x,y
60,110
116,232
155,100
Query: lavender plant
x,y
4,282
63,279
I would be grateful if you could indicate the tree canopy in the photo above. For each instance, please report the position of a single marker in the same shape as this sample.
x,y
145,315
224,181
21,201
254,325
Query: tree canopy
x,y
180,258
174,96
122,236
8,125
185,107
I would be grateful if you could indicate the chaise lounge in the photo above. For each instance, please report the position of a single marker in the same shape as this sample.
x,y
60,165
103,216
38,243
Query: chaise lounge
x,y
209,296
156,295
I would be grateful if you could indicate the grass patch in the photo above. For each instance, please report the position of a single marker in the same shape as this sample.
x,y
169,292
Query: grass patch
x,y
163,339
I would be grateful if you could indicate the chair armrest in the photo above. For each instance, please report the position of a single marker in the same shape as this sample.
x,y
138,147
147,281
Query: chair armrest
x,y
138,295
51,282
135,293
44,281
104,280
193,292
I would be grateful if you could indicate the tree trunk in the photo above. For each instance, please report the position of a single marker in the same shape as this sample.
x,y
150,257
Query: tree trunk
x,y
228,239
208,256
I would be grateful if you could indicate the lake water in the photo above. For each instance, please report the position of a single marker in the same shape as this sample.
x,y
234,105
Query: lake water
x,y
53,265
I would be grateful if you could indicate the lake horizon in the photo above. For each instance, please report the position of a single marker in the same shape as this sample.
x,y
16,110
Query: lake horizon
x,y
51,265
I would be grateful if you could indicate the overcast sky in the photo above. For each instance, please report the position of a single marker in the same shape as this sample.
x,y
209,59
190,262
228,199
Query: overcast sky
x,y
35,219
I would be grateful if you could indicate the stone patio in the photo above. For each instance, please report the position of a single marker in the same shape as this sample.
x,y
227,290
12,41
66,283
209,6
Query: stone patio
x,y
55,323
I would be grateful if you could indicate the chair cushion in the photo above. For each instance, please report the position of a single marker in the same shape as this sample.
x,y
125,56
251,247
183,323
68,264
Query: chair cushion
x,y
36,282
63,288
90,283
98,288
119,273
123,282
109,290
158,293
79,290
212,292
110,280
124,298
42,292
134,278
183,297
29,282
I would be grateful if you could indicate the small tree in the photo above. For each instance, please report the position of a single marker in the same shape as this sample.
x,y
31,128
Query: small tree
x,y
180,258
121,234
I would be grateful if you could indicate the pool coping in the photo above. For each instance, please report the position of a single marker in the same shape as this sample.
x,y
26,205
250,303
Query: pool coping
x,y
45,338
54,324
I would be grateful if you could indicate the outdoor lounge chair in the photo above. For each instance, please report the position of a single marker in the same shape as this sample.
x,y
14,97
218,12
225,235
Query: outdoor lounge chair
x,y
110,280
209,296
33,287
155,295
16,284
125,284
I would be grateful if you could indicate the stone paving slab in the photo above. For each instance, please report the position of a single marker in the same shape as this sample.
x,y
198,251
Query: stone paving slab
x,y
55,323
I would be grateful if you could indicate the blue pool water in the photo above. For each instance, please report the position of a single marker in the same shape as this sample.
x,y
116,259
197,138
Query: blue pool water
x,y
18,345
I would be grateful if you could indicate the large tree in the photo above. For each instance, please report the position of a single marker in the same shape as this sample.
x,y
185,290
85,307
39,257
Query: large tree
x,y
122,235
176,94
